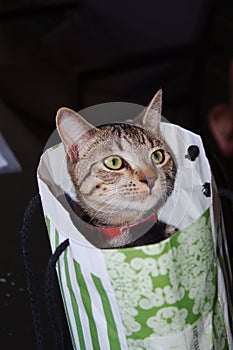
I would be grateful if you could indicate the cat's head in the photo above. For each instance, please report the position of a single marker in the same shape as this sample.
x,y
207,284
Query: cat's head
x,y
121,172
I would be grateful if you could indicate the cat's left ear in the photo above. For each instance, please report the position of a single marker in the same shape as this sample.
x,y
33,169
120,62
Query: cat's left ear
x,y
150,118
74,131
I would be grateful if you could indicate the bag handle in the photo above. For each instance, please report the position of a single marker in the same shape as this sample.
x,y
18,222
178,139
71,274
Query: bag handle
x,y
226,196
30,279
226,193
49,280
48,292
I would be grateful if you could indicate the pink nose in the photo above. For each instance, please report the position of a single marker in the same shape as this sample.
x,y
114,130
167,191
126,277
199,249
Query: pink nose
x,y
149,180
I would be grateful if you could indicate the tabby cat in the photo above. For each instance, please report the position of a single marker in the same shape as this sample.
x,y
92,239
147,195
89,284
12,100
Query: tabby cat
x,y
122,172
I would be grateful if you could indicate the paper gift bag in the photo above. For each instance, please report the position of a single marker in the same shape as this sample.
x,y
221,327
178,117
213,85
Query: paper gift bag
x,y
164,296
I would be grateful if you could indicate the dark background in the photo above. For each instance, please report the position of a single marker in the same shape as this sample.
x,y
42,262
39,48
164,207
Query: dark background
x,y
81,53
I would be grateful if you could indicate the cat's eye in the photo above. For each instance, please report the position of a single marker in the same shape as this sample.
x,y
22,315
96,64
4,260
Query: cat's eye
x,y
113,162
158,157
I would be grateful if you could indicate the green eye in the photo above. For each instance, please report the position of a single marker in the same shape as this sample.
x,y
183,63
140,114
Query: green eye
x,y
158,157
113,162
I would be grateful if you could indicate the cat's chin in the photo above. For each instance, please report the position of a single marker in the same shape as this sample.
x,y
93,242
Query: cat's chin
x,y
130,212
126,218
144,203
147,201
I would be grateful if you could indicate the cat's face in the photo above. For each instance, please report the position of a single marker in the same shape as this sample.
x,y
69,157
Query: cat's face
x,y
121,172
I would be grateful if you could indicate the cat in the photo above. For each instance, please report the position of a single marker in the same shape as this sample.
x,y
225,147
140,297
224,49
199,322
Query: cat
x,y
122,172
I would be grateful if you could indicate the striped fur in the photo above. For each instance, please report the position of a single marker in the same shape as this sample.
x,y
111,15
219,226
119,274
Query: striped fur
x,y
125,196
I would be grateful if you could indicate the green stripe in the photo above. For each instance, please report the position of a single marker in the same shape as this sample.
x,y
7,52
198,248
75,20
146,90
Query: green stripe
x,y
111,325
74,305
47,221
87,305
63,294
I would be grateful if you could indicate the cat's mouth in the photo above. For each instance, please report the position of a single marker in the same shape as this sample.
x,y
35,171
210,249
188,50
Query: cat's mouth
x,y
148,196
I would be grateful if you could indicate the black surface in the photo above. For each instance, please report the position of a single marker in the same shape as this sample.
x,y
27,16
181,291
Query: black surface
x,y
17,10
16,324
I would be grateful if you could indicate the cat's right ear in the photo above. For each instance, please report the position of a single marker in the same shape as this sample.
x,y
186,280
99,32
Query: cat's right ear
x,y
73,130
151,116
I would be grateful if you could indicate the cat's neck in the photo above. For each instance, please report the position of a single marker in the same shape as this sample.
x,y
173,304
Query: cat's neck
x,y
121,235
121,219
106,236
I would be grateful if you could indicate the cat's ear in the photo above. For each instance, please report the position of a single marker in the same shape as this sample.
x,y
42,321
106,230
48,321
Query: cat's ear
x,y
150,118
73,130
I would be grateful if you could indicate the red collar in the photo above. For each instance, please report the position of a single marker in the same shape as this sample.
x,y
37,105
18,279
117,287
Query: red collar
x,y
114,231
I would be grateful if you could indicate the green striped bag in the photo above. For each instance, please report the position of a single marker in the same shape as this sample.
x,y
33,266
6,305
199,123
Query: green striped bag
x,y
165,296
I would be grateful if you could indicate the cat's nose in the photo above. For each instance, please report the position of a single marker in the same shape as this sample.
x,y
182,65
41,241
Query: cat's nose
x,y
149,180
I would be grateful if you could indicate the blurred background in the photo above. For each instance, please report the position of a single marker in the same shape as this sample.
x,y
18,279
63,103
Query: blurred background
x,y
84,52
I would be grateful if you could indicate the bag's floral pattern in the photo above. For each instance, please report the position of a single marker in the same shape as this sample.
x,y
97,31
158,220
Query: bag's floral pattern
x,y
163,288
168,320
219,328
